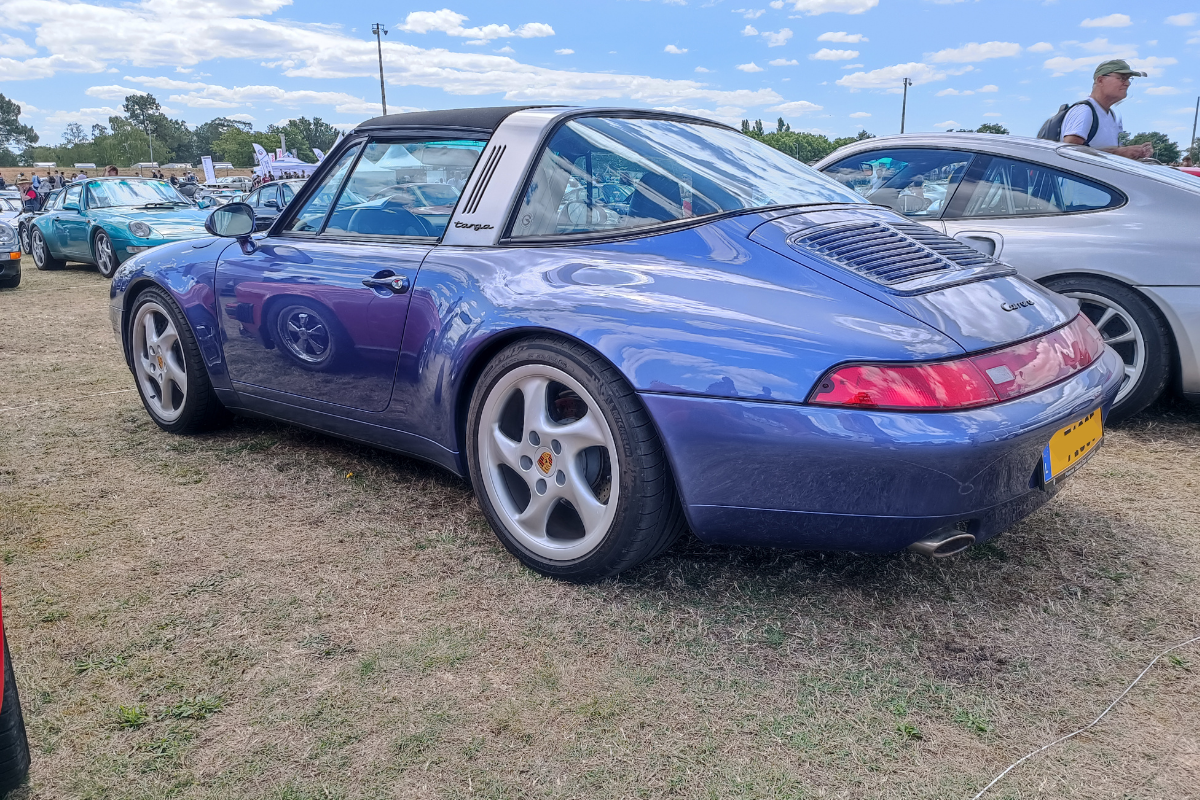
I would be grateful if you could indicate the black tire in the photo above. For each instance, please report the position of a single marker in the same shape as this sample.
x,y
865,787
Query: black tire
x,y
1137,317
14,746
26,245
42,257
308,334
11,283
648,516
106,263
200,410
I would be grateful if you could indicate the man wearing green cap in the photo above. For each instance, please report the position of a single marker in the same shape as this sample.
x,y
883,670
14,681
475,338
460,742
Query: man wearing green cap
x,y
1109,86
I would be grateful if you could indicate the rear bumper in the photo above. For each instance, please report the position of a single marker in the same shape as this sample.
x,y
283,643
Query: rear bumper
x,y
839,479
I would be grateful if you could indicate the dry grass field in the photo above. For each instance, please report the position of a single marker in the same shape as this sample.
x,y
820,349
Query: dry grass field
x,y
269,613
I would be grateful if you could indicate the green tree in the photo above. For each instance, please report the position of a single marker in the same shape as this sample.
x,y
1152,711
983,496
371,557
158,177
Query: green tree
x,y
316,131
992,127
13,134
758,127
208,133
1165,150
237,146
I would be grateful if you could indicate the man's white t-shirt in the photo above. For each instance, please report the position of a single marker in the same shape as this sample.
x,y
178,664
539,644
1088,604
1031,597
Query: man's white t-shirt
x,y
1078,122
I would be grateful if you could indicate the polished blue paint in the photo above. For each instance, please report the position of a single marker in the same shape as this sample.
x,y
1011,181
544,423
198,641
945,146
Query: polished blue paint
x,y
723,328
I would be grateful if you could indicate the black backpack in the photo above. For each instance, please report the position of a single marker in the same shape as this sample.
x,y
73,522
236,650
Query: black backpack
x,y
1052,128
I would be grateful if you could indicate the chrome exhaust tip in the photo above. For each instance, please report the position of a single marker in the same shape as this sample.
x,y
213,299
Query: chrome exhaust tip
x,y
943,544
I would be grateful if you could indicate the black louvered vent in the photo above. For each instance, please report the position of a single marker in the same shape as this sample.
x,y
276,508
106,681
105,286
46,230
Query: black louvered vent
x,y
897,253
471,205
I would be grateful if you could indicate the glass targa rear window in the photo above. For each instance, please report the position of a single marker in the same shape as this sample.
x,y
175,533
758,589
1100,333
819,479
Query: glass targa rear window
x,y
600,174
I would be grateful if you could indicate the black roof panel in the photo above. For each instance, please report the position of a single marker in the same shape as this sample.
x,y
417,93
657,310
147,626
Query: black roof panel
x,y
480,119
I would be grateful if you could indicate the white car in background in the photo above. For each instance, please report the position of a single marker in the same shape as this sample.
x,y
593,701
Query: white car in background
x,y
1117,235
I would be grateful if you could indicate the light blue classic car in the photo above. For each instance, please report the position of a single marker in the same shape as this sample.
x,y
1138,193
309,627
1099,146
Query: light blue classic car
x,y
104,221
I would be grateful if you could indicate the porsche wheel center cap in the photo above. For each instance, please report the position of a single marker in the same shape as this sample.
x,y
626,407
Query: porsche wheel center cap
x,y
545,462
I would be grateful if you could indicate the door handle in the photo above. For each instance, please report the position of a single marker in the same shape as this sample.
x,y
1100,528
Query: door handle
x,y
397,284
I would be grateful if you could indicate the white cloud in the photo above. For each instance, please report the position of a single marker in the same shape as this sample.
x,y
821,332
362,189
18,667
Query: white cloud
x,y
566,51
795,107
777,38
506,49
993,114
947,124
814,7
889,78
843,37
730,115
1103,45
1182,20
113,92
991,87
673,50
84,116
975,51
703,70
1040,47
784,62
242,117
13,47
852,66
1162,90
1152,65
749,30
751,67
450,23
1111,21
776,4
750,13
825,54
953,92
860,115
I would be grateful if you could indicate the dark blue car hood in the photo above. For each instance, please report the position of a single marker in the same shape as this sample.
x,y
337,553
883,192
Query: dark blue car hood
x,y
977,302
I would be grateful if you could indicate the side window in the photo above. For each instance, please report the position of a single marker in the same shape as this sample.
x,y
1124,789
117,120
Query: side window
x,y
916,183
286,193
1009,188
56,200
252,200
405,188
311,217
72,196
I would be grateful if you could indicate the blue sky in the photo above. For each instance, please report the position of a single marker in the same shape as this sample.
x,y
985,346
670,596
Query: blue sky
x,y
829,66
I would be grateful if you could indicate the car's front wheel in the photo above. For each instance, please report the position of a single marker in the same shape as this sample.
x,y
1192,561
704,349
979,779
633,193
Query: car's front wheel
x,y
568,468
26,244
171,377
42,257
105,255
1132,327
14,747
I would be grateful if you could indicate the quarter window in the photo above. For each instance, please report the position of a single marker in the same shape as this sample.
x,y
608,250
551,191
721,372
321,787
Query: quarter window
x,y
72,195
1009,188
916,183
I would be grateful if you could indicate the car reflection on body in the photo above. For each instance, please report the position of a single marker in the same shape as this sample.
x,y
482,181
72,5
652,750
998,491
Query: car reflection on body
x,y
737,344
1077,220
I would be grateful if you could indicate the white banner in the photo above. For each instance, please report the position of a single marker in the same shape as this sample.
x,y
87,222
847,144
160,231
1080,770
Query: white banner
x,y
210,175
319,154
278,152
260,155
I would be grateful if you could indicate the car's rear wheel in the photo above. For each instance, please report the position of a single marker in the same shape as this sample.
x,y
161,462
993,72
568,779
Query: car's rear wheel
x,y
1132,327
42,257
105,255
14,747
26,244
567,466
171,377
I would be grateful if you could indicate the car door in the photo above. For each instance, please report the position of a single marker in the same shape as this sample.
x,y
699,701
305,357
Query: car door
x,y
71,225
1029,214
314,314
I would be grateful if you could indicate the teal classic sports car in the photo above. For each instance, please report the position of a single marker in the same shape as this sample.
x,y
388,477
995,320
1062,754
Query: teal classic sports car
x,y
104,221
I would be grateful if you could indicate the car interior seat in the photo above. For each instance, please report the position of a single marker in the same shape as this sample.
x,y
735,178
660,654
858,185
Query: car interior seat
x,y
656,197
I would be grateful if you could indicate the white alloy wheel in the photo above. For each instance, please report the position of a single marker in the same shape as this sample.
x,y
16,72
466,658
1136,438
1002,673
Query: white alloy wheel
x,y
549,462
158,362
1119,330
26,244
106,257
39,251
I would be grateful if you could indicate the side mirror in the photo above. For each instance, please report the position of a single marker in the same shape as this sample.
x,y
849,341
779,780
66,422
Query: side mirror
x,y
205,202
233,221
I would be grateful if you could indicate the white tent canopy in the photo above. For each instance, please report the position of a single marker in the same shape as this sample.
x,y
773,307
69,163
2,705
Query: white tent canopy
x,y
278,166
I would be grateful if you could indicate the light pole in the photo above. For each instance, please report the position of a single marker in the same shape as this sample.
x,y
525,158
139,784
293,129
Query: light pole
x,y
377,29
1195,117
904,105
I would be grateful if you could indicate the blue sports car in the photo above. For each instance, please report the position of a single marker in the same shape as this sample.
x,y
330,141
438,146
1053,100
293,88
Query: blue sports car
x,y
629,323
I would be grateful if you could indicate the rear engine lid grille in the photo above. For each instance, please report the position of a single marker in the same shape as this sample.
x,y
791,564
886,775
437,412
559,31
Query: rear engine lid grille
x,y
903,257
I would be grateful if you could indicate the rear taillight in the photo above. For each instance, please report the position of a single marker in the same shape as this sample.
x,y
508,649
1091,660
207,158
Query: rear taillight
x,y
966,382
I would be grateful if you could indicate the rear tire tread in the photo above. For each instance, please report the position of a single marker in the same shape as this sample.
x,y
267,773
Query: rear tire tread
x,y
14,746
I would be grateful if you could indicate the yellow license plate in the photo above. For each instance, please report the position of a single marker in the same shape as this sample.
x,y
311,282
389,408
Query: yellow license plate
x,y
1071,446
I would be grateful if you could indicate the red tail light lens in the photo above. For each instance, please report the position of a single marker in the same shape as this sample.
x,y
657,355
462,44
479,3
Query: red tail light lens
x,y
966,382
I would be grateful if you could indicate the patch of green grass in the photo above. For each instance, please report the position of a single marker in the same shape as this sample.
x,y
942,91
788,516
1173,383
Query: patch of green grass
x,y
599,708
972,721
132,716
774,636
987,551
95,662
195,708
909,731
440,647
57,615
1180,663
322,647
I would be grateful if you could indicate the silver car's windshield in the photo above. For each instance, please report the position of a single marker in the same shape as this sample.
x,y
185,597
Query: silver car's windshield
x,y
605,173
133,192
1156,172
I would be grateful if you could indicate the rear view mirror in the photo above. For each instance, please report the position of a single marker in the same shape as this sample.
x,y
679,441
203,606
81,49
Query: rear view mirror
x,y
233,221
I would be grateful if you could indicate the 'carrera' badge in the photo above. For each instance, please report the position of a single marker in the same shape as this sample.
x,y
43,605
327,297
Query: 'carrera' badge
x,y
1016,305
545,462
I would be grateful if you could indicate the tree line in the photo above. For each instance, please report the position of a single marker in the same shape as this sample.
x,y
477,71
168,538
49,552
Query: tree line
x,y
129,139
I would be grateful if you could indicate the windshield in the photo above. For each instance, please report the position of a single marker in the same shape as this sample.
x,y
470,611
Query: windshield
x,y
132,192
1158,172
604,173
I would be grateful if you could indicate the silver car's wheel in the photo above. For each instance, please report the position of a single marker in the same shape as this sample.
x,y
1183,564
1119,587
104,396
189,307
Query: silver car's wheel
x,y
106,256
26,244
1120,331
548,458
158,362
42,257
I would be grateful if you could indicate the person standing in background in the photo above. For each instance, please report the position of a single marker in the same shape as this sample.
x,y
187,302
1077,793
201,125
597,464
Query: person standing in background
x,y
1110,85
